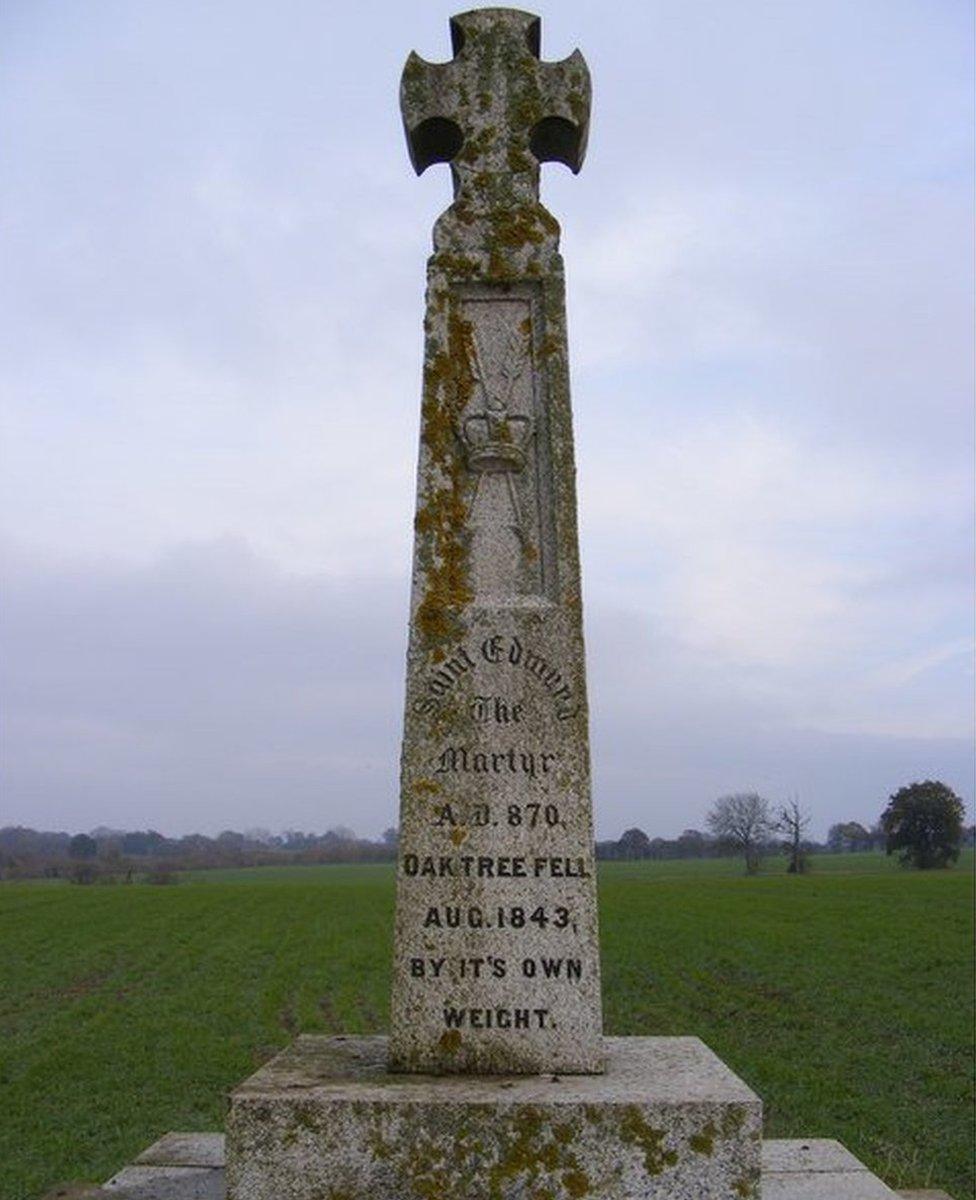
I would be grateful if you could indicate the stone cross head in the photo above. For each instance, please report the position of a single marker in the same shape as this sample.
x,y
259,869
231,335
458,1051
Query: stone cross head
x,y
495,111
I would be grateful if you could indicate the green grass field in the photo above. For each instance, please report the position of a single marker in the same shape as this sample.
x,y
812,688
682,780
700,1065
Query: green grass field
x,y
844,998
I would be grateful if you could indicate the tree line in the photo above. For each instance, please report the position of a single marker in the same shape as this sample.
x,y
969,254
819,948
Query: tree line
x,y
117,854
922,823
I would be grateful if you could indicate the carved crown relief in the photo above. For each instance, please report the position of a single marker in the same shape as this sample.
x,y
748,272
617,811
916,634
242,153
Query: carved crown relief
x,y
496,438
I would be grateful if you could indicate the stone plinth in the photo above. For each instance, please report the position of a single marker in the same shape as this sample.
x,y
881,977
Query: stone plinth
x,y
326,1120
807,1169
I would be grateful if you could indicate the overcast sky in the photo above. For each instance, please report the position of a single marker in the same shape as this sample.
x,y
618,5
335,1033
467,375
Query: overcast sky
x,y
213,250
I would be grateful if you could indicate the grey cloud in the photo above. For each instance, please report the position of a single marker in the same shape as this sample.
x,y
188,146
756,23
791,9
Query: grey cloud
x,y
672,731
212,690
208,690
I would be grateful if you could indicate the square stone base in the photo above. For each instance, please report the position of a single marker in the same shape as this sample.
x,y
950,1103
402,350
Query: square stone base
x,y
325,1120
792,1169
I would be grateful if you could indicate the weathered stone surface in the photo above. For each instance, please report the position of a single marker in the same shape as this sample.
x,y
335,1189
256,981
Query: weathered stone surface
x,y
825,1185
185,1150
816,1169
167,1183
327,1119
809,1155
496,959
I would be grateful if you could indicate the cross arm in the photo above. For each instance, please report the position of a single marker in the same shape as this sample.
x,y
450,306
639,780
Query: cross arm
x,y
425,101
561,133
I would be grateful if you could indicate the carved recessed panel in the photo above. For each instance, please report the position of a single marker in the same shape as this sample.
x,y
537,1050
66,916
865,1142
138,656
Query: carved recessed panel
x,y
504,434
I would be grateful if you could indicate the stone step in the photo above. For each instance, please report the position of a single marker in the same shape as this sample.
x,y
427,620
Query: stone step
x,y
816,1169
925,1194
180,1166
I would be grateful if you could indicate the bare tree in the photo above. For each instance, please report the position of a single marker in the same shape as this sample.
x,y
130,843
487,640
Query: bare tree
x,y
791,820
743,821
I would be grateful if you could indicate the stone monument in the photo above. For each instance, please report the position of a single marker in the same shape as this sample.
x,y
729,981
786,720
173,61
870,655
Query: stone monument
x,y
496,1082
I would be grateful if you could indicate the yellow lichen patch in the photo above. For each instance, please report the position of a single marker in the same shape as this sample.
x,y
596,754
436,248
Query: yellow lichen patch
x,y
533,1157
462,210
704,1142
746,1188
378,1146
457,265
442,508
511,228
476,147
577,1183
424,786
580,105
458,835
519,160
515,228
635,1129
450,1041
525,110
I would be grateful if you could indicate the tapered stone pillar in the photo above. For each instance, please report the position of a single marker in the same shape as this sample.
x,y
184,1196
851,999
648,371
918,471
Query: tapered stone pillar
x,y
496,958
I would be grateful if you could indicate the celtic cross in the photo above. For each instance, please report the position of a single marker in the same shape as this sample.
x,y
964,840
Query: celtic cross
x,y
495,111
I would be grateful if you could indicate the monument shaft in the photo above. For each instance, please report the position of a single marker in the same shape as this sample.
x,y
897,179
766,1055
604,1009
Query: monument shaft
x,y
496,954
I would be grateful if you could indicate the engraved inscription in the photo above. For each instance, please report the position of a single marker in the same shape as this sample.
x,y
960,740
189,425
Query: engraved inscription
x,y
498,941
459,759
568,969
498,650
493,708
499,909
486,866
480,815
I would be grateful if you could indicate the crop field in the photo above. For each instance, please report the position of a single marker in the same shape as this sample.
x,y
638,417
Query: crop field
x,y
844,998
